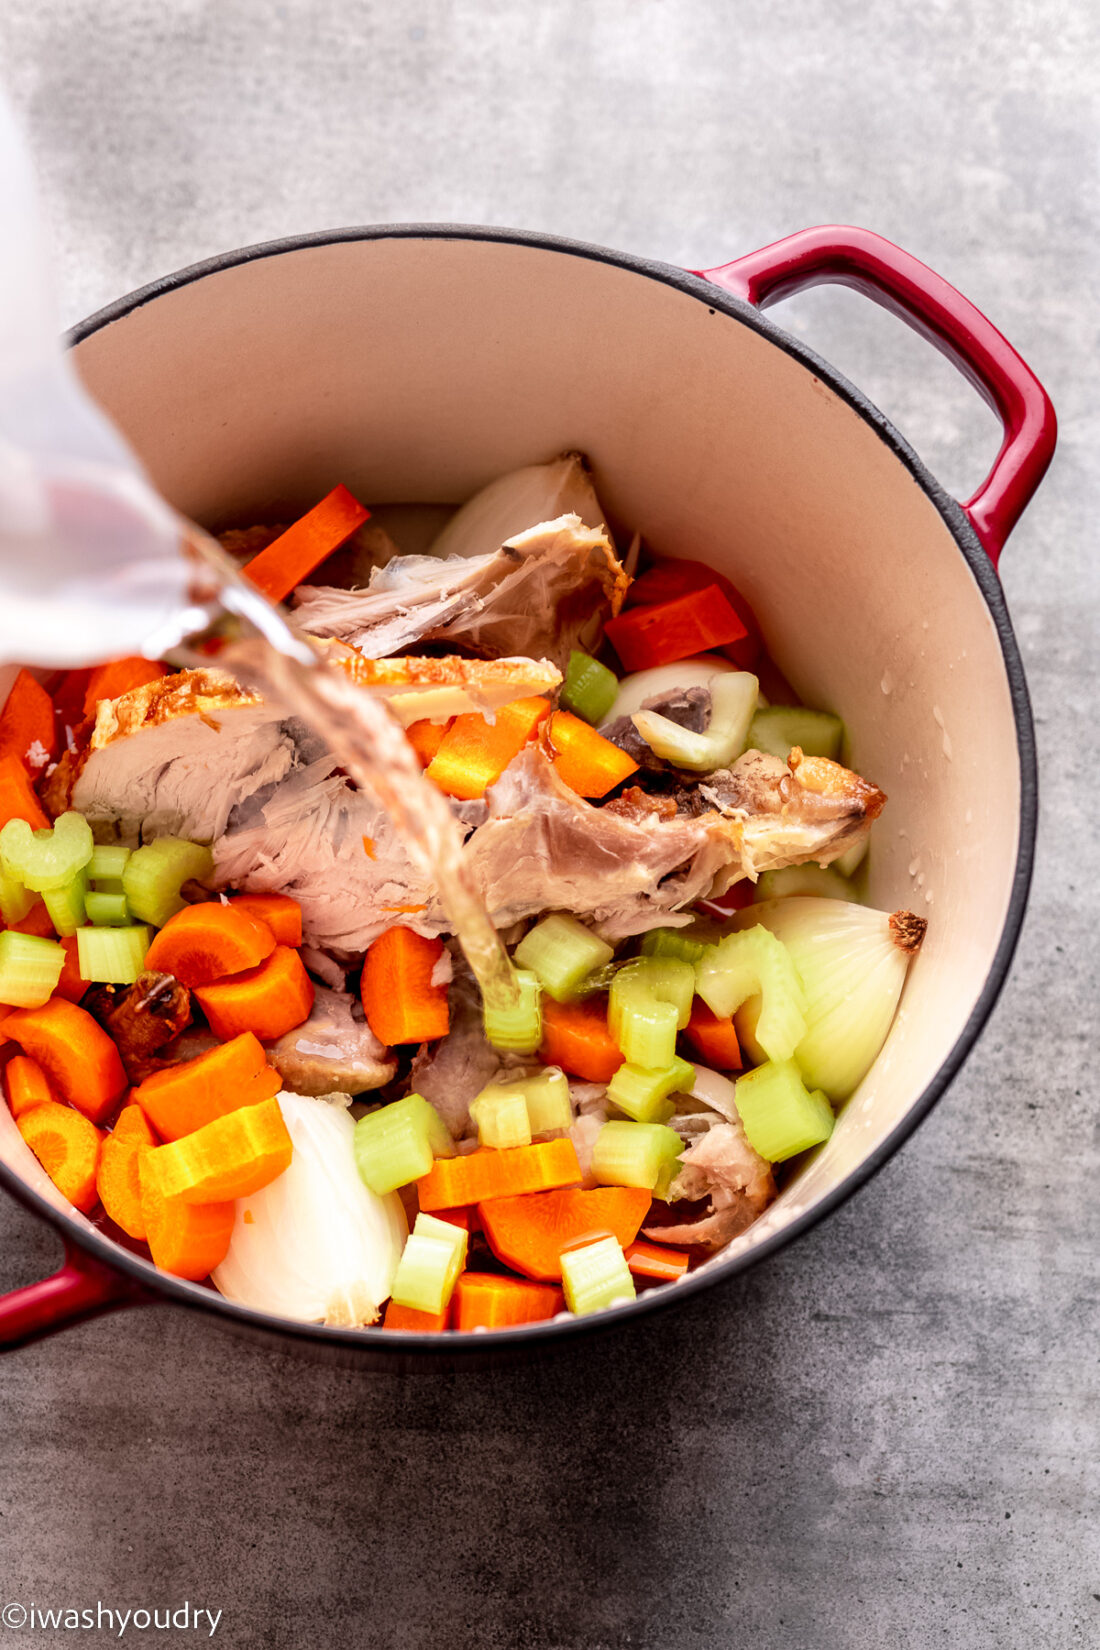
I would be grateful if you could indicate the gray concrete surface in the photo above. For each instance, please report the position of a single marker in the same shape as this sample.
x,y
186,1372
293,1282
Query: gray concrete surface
x,y
887,1436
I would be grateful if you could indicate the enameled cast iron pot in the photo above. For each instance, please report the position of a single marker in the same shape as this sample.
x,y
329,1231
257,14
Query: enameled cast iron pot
x,y
416,363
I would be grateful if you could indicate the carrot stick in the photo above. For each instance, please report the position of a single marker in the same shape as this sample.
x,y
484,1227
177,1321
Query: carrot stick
x,y
186,1239
484,1300
401,1003
474,752
27,725
27,1085
72,985
186,1097
424,1323
268,1000
119,676
231,1157
575,1037
294,555
204,943
667,631
530,1233
17,798
653,1260
486,1174
80,1060
426,738
667,577
67,1145
282,914
714,1040
589,764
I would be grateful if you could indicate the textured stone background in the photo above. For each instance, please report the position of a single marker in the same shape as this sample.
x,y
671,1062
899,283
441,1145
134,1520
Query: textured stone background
x,y
887,1436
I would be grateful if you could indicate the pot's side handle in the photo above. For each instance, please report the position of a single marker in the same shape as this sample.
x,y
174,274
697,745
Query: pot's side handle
x,y
81,1288
839,255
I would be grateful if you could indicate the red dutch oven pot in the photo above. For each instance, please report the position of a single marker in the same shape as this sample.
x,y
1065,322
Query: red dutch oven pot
x,y
415,363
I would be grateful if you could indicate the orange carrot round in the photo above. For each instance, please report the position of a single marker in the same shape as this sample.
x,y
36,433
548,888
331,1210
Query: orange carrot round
x,y
401,1003
529,1233
185,1097
204,943
27,1085
68,1147
268,1001
132,1124
186,1239
282,914
234,1156
118,1182
79,1059
575,1037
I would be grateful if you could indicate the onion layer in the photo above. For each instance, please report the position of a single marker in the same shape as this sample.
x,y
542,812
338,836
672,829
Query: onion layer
x,y
519,500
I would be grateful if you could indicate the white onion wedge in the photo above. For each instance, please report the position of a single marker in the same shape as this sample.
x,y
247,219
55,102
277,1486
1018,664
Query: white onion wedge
x,y
519,500
852,963
733,701
698,671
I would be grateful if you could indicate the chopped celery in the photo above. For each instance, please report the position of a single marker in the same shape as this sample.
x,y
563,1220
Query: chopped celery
x,y
517,1030
734,697
779,728
634,1154
433,1256
643,1094
596,1275
66,905
817,881
15,900
500,1112
115,956
106,910
650,1000
398,1143
153,876
740,966
849,862
29,969
107,864
781,1117
50,860
673,942
549,1105
590,689
561,952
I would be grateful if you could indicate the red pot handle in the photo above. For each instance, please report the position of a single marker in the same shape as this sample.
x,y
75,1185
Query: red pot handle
x,y
842,256
83,1288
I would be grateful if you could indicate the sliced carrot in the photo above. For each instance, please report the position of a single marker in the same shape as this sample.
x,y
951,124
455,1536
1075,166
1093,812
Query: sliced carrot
x,y
67,689
667,631
575,1037
27,726
486,1174
368,847
407,1317
27,1085
268,1001
17,798
80,1060
485,1300
72,985
119,676
67,1146
714,1040
668,577
589,764
5,1013
183,1098
204,943
530,1233
467,1217
474,752
132,1124
401,1003
653,1260
37,921
186,1239
295,554
232,1157
282,914
426,738
118,1181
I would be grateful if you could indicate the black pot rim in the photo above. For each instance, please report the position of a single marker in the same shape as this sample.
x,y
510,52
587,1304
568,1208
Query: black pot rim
x,y
404,1346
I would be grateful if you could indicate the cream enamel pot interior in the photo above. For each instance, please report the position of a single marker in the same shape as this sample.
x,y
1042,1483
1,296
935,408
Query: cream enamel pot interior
x,y
416,363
